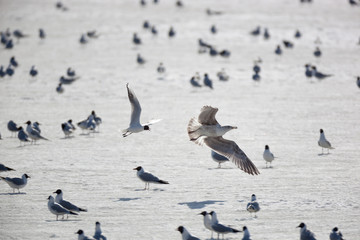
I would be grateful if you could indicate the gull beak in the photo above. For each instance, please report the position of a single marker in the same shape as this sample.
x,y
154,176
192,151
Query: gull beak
x,y
234,127
134,169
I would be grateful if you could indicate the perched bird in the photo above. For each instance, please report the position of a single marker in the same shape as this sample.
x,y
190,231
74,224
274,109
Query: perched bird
x,y
60,88
42,34
12,127
92,34
3,38
66,129
69,80
206,130
297,34
317,52
140,60
22,136
267,155
57,209
9,70
81,235
13,62
146,24
323,143
336,234
33,133
253,205
194,82
278,50
308,71
246,234
2,72
83,39
89,123
256,76
256,31
288,44
33,72
305,234
207,222
171,32
266,34
70,72
319,75
225,53
36,126
220,228
222,75
4,168
213,29
71,125
98,233
185,234
207,81
153,30
218,158
68,205
148,177
135,126
160,68
358,82
136,39
9,44
16,183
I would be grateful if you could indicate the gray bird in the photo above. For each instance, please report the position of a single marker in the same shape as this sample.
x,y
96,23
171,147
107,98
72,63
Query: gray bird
x,y
218,158
323,142
336,234
68,205
246,234
253,205
220,228
16,183
57,209
33,133
98,233
148,177
12,127
22,136
305,234
81,235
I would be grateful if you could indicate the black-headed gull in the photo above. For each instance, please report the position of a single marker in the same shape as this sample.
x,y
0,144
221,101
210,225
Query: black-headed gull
x,y
220,228
323,142
148,177
98,233
253,205
185,234
268,156
16,183
68,205
57,209
305,234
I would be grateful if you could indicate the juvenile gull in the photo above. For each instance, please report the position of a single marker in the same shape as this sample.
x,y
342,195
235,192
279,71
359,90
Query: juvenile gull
x,y
206,130
323,143
148,177
16,183
57,209
305,234
185,234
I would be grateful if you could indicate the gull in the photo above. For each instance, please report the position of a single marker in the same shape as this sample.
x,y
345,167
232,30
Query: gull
x,y
33,72
267,155
59,88
297,34
222,75
135,125
98,233
256,31
93,120
2,72
42,34
207,221
18,34
213,51
256,76
319,75
9,70
213,29
82,235
161,68
225,53
153,30
266,34
308,71
92,34
220,228
136,39
358,82
256,67
194,82
16,183
253,206
146,24
12,127
83,39
305,234
206,130
4,168
140,60
218,158
246,234
9,44
36,126
69,122
278,50
22,136
68,205
13,62
66,128
57,209
317,52
207,81
148,177
69,80
288,44
171,32
335,235
33,133
185,234
70,72
323,143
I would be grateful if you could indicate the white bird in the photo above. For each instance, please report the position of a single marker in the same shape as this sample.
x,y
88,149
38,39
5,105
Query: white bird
x,y
323,143
206,130
268,156
135,125
33,133
207,221
185,234
335,235
57,209
246,234
4,168
68,205
148,177
81,235
98,233
253,205
220,228
305,234
16,183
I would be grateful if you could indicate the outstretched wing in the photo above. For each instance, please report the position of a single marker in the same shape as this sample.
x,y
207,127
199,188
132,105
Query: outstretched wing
x,y
153,121
207,116
232,151
135,107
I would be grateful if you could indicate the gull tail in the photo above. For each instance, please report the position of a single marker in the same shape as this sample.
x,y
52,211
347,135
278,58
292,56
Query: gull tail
x,y
72,213
44,138
193,128
163,182
82,210
2,178
10,169
235,231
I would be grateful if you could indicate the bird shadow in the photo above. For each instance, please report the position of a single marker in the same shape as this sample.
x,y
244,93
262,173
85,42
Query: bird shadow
x,y
21,193
199,205
154,190
64,138
323,154
64,220
127,199
222,168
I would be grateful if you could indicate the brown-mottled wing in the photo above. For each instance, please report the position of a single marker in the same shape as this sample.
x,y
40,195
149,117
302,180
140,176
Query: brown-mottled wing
x,y
232,151
207,116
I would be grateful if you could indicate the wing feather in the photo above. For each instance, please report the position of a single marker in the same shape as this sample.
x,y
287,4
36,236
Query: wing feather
x,y
135,107
207,115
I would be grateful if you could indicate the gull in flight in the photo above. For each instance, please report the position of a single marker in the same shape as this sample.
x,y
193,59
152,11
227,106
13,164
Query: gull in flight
x,y
206,130
185,234
135,125
148,177
57,209
323,143
16,183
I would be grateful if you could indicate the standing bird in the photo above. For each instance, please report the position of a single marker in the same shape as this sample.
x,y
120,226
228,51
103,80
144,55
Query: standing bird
x,y
335,235
323,143
42,34
59,88
135,126
266,34
218,158
69,80
161,68
268,156
98,233
206,130
256,76
213,29
36,126
2,72
13,62
16,183
83,39
9,70
253,206
66,204
148,177
256,31
358,82
22,136
288,44
194,82
317,52
171,32
12,127
153,30
57,209
225,53
140,60
319,75
308,71
70,72
185,234
246,234
66,129
33,133
297,34
4,168
136,39
81,235
146,24
305,234
9,44
207,81
33,72
278,50
220,228
207,222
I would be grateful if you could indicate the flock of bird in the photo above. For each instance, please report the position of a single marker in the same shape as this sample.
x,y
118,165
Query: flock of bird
x,y
202,130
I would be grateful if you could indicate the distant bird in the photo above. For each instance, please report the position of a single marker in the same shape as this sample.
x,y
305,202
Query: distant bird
x,y
256,67
33,134
171,32
98,233
18,34
305,234
317,41
13,62
203,44
308,71
218,158
160,68
317,52
4,39
194,82
153,30
211,12
208,81
148,177
12,127
140,60
267,155
220,228
57,209
33,72
22,136
206,130
323,142
266,34
83,39
358,81
207,222
92,34
97,119
10,71
68,205
336,234
213,29
68,80
66,129
256,31
179,3
4,168
297,34
9,44
146,24
213,52
36,126
71,125
256,76
70,72
222,75
59,88
253,206
42,34
246,234
288,44
135,126
225,53
59,5
353,2
16,183
136,39
319,75
2,72
142,2
185,234
278,50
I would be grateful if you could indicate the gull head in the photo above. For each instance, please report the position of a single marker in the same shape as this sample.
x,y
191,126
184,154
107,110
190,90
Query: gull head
x,y
267,147
301,225
80,232
58,191
26,176
335,229
138,168
203,213
180,229
28,122
321,131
